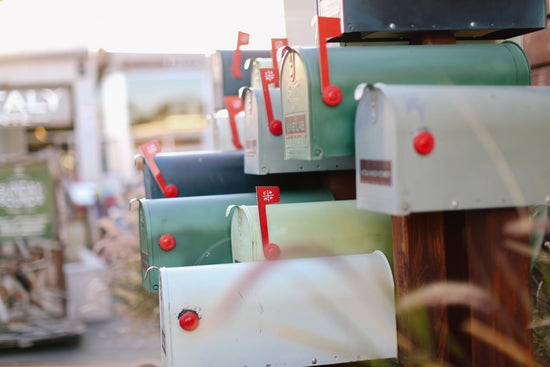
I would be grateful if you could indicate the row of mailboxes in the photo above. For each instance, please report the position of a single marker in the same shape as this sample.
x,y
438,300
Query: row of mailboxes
x,y
330,299
318,137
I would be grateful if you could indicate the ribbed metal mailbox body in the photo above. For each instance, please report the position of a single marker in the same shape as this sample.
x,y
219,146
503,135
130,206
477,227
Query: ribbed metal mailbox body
x,y
311,229
490,148
466,19
215,173
297,312
264,152
314,130
225,83
199,227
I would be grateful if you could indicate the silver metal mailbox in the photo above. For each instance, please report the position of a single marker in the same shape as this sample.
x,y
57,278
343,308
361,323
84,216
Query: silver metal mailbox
x,y
298,312
264,151
434,148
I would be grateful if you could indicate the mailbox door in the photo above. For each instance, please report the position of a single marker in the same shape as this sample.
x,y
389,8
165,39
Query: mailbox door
x,y
199,229
328,131
298,312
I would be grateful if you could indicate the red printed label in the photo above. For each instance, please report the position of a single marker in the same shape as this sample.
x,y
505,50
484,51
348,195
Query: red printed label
x,y
295,126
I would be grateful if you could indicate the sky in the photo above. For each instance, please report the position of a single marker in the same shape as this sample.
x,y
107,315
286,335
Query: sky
x,y
180,26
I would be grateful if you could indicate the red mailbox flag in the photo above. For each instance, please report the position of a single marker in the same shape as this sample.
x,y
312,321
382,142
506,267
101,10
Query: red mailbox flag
x,y
149,150
328,28
234,105
269,76
242,40
267,195
276,44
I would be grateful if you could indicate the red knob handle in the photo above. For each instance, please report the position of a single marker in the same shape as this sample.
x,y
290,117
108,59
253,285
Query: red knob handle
x,y
171,191
424,142
272,251
189,320
167,242
332,95
276,127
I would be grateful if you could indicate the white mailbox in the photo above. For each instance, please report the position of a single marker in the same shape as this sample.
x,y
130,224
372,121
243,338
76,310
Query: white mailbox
x,y
318,228
298,312
223,135
264,150
434,148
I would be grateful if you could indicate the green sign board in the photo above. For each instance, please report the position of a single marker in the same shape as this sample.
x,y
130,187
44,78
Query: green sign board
x,y
27,200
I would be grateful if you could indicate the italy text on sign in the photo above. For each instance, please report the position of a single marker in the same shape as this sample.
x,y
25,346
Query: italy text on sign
x,y
36,106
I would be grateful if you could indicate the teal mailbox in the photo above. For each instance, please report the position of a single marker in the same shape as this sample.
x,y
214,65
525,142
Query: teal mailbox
x,y
313,130
194,230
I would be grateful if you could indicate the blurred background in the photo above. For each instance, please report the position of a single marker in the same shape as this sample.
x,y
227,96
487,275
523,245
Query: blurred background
x,y
82,85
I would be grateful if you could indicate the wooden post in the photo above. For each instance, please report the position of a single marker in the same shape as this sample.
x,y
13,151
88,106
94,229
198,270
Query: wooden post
x,y
469,246
499,337
419,259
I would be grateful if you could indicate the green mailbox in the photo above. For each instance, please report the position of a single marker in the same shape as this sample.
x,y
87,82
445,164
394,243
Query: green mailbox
x,y
194,230
313,130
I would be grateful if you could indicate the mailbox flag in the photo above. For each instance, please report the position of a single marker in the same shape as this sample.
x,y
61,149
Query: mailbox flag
x,y
267,195
234,105
149,150
242,39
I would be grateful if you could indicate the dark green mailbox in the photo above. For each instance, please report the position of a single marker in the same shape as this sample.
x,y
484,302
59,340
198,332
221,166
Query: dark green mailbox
x,y
312,130
216,173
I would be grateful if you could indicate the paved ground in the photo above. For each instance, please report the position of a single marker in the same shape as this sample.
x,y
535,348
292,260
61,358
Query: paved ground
x,y
117,342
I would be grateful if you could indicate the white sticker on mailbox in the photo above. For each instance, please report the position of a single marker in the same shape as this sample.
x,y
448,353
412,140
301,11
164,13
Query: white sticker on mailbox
x,y
296,136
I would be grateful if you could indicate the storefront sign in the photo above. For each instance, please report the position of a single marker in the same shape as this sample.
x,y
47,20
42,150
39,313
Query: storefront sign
x,y
40,106
27,201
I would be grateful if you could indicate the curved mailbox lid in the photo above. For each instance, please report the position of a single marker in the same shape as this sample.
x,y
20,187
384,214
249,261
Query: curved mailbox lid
x,y
311,229
216,173
489,147
264,152
317,130
199,228
317,310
